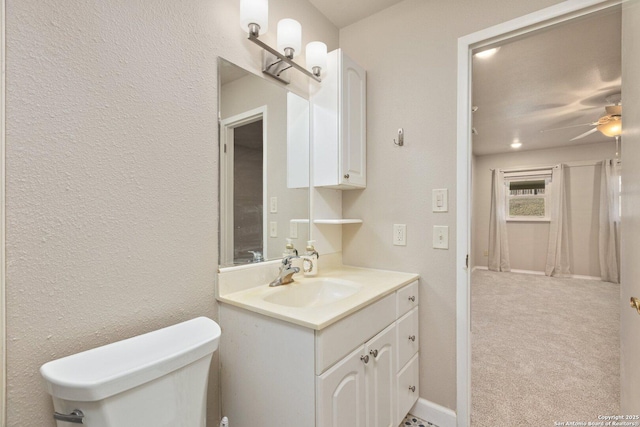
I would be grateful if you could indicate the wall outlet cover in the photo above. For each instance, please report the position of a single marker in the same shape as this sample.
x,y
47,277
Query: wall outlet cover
x,y
400,234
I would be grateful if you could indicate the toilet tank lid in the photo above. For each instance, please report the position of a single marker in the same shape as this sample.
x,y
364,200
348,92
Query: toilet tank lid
x,y
104,371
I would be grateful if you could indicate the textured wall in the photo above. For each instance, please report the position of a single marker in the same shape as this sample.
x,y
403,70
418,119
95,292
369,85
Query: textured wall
x,y
409,52
528,241
111,139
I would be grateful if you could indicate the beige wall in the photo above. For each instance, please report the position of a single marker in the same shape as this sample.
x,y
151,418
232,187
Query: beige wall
x,y
528,240
409,52
111,172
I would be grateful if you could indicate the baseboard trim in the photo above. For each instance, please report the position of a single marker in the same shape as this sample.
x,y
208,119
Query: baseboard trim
x,y
434,413
538,273
578,276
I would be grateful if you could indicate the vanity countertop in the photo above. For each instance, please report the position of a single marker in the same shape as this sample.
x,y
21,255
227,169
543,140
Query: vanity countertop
x,y
373,285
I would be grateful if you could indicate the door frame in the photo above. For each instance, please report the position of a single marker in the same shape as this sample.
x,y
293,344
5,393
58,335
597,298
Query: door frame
x,y
3,326
227,127
494,35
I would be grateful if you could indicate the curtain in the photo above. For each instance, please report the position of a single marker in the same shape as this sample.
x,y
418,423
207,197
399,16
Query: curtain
x,y
558,251
498,244
609,235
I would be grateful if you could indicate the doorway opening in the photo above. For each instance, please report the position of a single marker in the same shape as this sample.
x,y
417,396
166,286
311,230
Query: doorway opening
x,y
483,40
242,198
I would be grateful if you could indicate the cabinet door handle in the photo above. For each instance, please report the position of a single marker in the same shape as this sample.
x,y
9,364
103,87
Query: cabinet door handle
x,y
412,338
374,353
412,388
365,358
412,298
346,176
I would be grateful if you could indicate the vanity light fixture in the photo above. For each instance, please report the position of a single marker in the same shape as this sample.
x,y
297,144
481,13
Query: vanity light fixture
x,y
316,53
516,144
254,20
289,37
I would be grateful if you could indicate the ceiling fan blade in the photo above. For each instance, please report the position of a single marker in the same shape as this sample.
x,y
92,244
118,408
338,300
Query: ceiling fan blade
x,y
568,127
582,135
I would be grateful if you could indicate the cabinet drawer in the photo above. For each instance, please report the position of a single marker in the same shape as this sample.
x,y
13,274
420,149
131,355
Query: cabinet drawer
x,y
407,299
339,339
408,388
408,341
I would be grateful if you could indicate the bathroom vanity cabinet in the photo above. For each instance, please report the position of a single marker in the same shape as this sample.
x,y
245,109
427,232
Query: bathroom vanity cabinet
x,y
361,371
339,124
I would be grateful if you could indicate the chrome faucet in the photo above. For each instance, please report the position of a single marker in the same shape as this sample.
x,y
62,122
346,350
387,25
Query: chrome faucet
x,y
287,270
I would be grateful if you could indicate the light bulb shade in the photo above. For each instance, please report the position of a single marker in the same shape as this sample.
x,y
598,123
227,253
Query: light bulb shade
x,y
254,12
611,128
289,36
316,55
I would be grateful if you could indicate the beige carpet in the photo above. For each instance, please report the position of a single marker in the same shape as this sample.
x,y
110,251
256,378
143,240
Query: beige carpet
x,y
544,350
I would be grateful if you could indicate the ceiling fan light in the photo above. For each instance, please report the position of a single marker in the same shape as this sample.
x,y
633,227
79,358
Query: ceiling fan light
x,y
611,128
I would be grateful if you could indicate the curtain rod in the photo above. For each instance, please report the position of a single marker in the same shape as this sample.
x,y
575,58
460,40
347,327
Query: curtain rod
x,y
568,164
527,168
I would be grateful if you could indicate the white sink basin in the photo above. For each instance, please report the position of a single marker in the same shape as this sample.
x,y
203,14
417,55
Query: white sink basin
x,y
312,292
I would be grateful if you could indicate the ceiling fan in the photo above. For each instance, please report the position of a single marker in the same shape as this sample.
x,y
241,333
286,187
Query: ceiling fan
x,y
609,124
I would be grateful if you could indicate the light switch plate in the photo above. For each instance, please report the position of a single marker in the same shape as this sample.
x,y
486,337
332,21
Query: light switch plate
x,y
273,205
293,230
440,200
273,229
441,237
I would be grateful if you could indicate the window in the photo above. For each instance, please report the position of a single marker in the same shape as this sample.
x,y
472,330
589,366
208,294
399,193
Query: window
x,y
526,195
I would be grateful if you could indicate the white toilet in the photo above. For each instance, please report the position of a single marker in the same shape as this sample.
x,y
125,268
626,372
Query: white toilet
x,y
157,379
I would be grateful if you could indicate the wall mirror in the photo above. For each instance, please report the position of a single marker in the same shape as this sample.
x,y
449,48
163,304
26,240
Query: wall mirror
x,y
264,167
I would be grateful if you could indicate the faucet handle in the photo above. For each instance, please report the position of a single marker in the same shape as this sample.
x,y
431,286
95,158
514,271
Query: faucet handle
x,y
286,261
257,256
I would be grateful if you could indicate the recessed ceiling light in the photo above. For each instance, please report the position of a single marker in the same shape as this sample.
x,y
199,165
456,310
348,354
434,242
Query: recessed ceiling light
x,y
487,53
516,144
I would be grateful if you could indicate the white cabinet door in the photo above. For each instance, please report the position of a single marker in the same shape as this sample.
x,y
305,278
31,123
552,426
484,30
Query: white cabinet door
x,y
353,124
341,393
380,374
339,111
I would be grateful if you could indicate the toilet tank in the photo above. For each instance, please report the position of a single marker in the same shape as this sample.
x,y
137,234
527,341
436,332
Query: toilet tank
x,y
153,380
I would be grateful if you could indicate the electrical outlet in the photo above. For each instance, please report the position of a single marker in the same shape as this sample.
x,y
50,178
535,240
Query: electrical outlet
x,y
293,230
273,205
400,234
273,229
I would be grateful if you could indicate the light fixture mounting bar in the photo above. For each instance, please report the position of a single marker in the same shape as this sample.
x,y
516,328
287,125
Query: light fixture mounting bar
x,y
282,57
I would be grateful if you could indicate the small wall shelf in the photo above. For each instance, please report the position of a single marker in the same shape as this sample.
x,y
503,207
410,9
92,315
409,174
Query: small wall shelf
x,y
337,221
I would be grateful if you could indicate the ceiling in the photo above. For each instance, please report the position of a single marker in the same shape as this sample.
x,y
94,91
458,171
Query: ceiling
x,y
557,77
346,12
